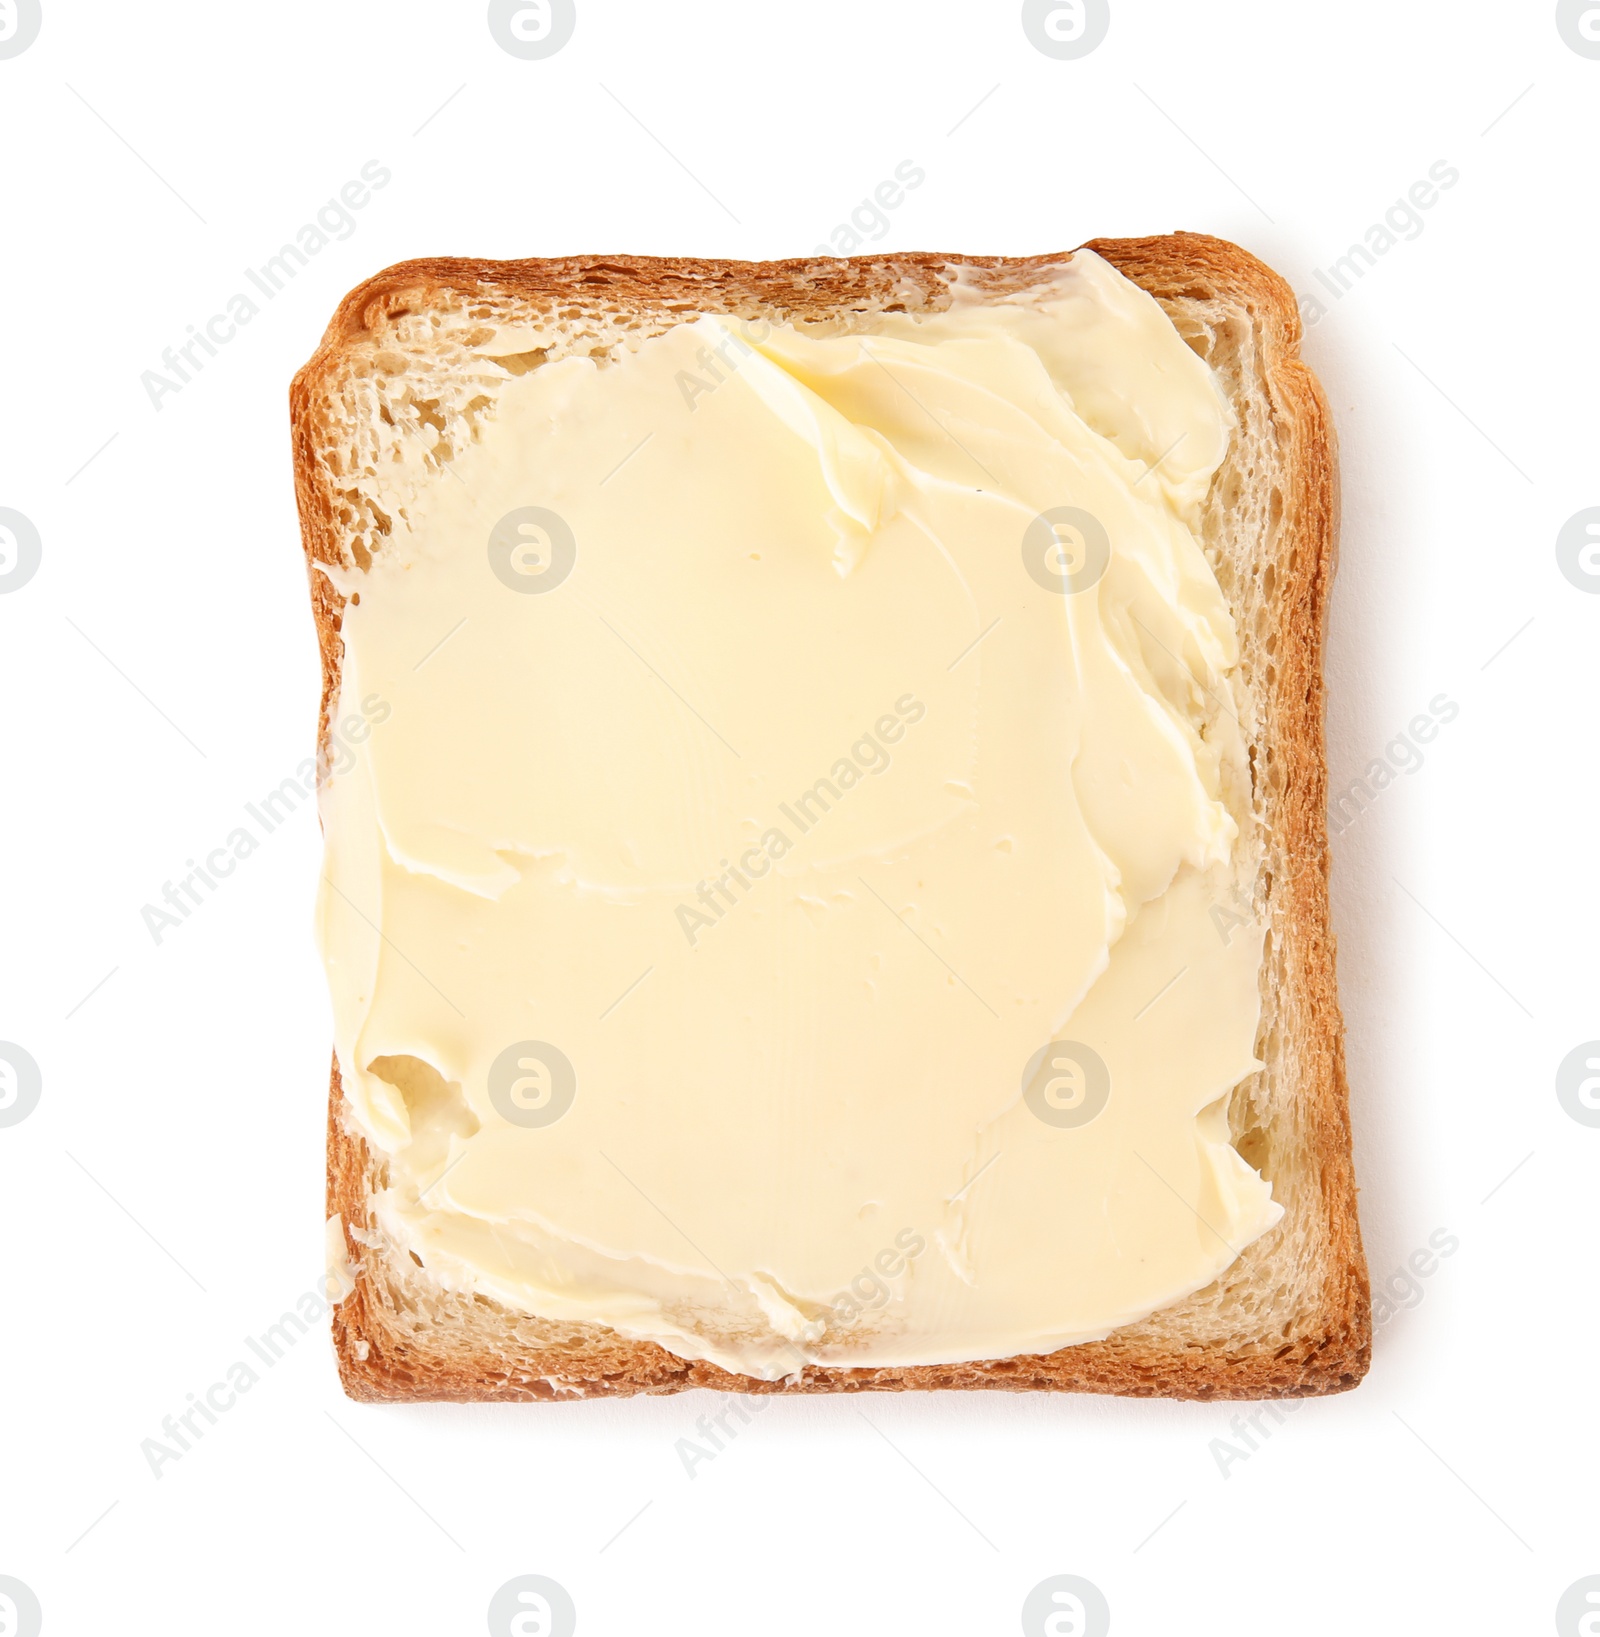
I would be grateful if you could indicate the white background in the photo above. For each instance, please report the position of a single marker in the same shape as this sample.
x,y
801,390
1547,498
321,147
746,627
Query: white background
x,y
164,1200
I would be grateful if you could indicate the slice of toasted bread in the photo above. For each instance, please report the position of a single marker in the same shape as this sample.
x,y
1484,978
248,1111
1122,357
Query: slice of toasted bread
x,y
1291,1316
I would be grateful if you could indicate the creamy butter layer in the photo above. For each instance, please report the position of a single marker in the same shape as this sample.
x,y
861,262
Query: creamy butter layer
x,y
790,912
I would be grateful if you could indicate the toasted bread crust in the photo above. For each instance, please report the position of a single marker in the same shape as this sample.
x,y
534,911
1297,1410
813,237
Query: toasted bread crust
x,y
1330,1347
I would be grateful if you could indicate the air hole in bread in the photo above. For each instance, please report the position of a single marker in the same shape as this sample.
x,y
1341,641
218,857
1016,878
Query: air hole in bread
x,y
428,412
437,1107
519,363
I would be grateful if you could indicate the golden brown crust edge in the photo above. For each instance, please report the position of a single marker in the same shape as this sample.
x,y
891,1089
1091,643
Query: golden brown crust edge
x,y
1333,1351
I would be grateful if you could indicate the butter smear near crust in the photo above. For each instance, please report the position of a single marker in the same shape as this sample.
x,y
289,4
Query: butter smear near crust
x,y
778,922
